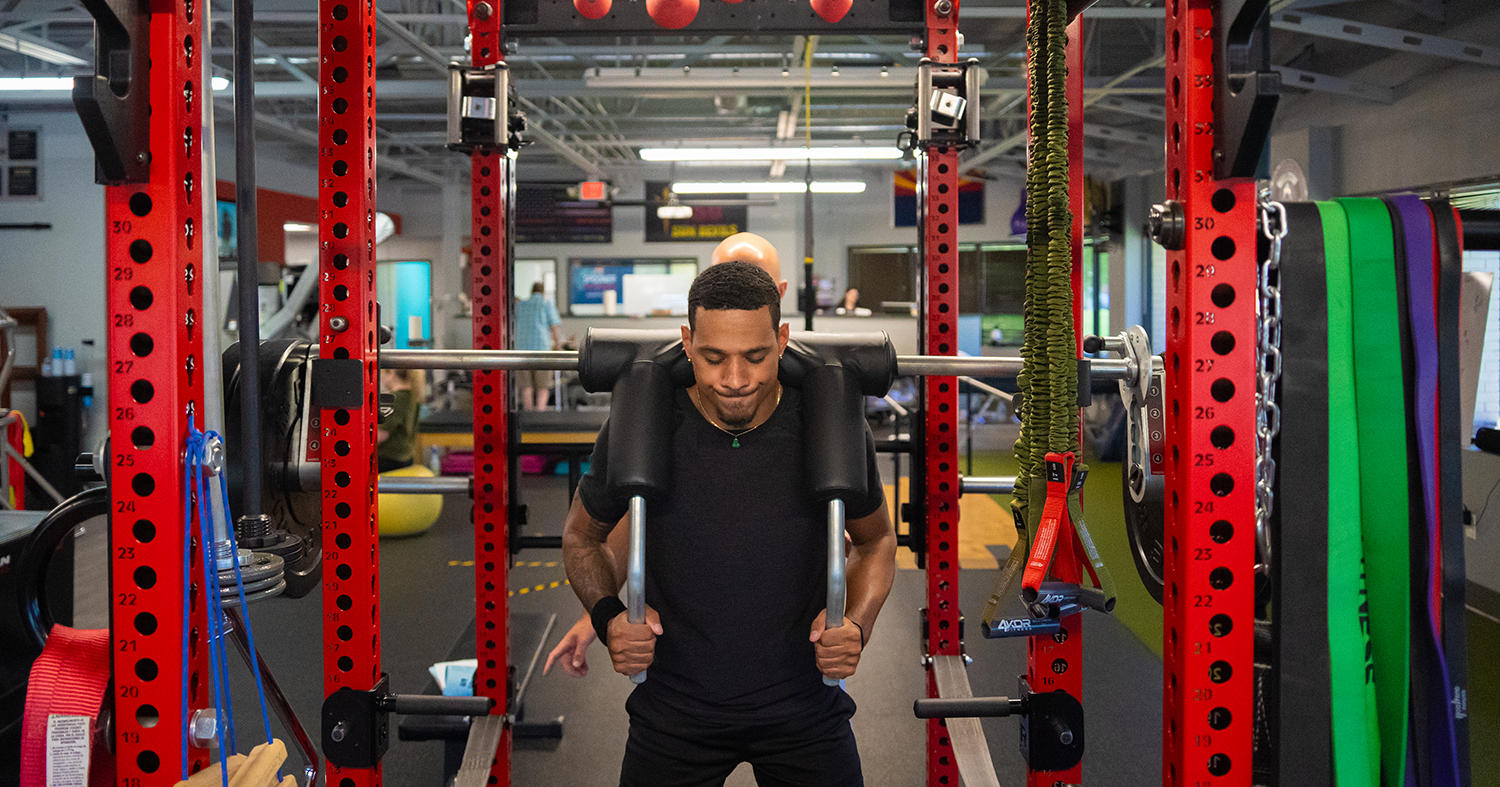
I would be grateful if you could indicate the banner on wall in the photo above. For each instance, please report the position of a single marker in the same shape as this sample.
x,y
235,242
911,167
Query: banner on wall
x,y
970,199
708,222
552,213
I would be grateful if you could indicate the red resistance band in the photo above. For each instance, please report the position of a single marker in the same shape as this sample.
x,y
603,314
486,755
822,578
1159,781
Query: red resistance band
x,y
63,698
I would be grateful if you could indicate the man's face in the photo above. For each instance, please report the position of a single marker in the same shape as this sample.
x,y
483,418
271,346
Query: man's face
x,y
735,355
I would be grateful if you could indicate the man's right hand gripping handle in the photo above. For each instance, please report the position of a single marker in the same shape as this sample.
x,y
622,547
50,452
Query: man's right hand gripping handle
x,y
632,646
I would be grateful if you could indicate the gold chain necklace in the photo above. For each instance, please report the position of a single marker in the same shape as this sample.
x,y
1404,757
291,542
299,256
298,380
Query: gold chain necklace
x,y
736,435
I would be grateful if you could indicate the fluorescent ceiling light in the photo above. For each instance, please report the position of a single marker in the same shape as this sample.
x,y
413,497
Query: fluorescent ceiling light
x,y
297,226
219,83
771,187
39,49
674,212
769,154
36,83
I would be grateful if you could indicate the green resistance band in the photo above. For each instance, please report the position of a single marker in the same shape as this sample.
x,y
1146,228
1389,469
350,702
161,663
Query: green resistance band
x,y
1075,513
1356,756
1380,396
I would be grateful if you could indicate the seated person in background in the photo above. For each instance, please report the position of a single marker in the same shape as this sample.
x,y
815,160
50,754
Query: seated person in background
x,y
850,304
397,434
536,317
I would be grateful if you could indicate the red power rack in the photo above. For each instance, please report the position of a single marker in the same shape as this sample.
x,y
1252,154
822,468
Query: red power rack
x,y
154,253
491,182
1210,509
939,201
348,328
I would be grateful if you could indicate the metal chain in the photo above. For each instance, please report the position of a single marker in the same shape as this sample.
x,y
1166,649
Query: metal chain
x,y
1268,373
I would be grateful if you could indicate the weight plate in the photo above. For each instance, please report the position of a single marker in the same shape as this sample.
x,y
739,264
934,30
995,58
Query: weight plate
x,y
261,565
1145,524
264,594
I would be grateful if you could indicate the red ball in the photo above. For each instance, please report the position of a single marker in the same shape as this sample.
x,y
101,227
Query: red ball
x,y
672,14
592,9
832,10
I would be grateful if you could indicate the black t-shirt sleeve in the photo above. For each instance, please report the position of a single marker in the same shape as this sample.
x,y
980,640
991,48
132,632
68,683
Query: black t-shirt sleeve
x,y
874,487
593,490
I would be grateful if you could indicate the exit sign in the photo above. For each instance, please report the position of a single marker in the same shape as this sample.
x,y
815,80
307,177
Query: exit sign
x,y
591,190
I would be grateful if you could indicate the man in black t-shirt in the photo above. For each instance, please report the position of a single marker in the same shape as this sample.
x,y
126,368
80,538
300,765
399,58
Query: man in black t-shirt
x,y
735,569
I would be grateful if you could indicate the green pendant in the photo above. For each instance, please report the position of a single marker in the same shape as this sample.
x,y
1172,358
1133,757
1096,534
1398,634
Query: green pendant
x,y
735,444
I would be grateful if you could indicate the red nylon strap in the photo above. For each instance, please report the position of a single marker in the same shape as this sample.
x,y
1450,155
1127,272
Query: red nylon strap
x,y
69,678
1059,473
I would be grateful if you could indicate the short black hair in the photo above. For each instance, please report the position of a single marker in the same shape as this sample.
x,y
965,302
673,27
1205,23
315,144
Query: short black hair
x,y
733,285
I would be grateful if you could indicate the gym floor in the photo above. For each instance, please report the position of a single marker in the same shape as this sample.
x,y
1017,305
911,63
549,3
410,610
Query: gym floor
x,y
426,587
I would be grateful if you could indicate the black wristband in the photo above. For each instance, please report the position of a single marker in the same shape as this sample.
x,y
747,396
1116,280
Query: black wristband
x,y
605,610
861,633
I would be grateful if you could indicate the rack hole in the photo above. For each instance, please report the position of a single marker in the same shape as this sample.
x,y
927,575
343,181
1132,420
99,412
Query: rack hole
x,y
345,603
145,577
140,204
1221,531
1223,200
146,669
1223,342
142,391
142,437
1221,484
343,540
1220,578
1223,247
141,298
147,716
143,484
140,250
341,168
145,623
342,510
1222,437
1223,295
1222,389
340,106
144,531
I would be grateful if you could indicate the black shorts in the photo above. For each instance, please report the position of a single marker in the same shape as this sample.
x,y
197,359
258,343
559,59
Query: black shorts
x,y
670,749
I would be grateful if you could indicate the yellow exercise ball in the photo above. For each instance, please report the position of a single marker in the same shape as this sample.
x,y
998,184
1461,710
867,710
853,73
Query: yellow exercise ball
x,y
409,515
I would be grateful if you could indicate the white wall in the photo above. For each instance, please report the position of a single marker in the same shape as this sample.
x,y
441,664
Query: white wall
x,y
62,268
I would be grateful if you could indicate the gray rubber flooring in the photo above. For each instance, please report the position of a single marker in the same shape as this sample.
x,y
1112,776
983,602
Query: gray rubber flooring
x,y
426,605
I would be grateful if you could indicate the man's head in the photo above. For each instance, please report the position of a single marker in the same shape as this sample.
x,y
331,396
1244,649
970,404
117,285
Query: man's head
x,y
751,248
734,338
538,288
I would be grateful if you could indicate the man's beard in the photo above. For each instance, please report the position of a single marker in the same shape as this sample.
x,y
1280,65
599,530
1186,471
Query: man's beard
x,y
737,421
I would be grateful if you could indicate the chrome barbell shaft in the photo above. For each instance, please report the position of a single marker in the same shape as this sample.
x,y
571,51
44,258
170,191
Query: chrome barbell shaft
x,y
567,360
418,485
987,485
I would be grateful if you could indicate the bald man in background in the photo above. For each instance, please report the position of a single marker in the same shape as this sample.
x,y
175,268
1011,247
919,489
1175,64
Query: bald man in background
x,y
740,247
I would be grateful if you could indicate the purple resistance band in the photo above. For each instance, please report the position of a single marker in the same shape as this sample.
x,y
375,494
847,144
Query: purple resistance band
x,y
1416,222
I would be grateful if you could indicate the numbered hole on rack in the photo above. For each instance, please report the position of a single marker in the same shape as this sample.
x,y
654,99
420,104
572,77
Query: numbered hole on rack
x,y
1220,625
142,438
1222,389
342,510
343,540
341,168
141,298
143,484
1220,671
943,229
142,391
345,664
943,268
340,106
1223,200
1222,247
485,230
340,74
341,231
140,250
346,782
943,169
145,623
1220,578
942,207
345,633
1219,718
1221,484
341,261
144,577
341,448
1221,437
341,417
144,531
140,204
340,199
340,293
345,603
343,571
942,188
1222,342
1218,764
146,669
147,716
1221,531
341,353
1223,295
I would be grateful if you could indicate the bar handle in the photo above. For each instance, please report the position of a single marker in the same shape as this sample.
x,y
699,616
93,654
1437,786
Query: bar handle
x,y
635,571
837,581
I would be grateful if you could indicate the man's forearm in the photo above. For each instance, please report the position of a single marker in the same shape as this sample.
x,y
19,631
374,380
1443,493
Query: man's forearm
x,y
587,558
871,571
